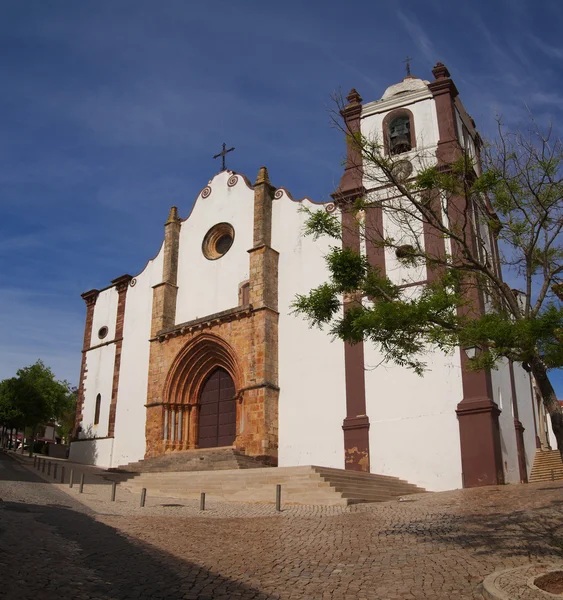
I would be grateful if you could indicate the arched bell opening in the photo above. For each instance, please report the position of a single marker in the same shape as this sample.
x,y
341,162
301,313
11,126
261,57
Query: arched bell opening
x,y
398,132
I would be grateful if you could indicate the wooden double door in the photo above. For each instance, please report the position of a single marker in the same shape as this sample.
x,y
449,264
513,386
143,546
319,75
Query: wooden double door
x,y
218,411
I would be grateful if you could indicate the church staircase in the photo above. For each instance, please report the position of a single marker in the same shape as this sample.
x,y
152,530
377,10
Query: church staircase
x,y
205,459
300,485
547,466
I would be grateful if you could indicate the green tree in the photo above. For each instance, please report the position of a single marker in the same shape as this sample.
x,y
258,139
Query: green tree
x,y
500,215
34,397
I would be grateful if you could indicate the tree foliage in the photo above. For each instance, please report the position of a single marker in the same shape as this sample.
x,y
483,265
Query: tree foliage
x,y
34,397
493,218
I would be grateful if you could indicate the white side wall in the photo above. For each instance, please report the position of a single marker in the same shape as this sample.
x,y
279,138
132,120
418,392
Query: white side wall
x,y
133,374
98,380
502,395
312,402
105,312
414,431
92,452
207,286
526,410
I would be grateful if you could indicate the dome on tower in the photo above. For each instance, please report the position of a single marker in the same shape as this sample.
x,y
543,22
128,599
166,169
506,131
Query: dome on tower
x,y
409,84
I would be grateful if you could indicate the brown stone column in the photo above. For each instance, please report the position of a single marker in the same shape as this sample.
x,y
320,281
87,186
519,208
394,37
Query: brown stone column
x,y
90,298
121,285
260,398
444,91
356,422
163,317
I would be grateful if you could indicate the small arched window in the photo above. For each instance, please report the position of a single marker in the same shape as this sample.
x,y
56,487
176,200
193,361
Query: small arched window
x,y
98,406
399,132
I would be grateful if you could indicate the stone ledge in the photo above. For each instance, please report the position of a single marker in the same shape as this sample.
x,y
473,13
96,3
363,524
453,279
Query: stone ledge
x,y
205,322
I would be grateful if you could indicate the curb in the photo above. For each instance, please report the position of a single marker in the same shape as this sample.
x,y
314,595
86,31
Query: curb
x,y
521,582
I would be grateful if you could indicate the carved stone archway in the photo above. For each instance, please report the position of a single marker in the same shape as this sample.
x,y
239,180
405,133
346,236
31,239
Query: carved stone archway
x,y
186,376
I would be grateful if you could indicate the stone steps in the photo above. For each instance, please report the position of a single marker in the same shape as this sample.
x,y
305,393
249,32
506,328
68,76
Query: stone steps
x,y
205,459
547,467
300,485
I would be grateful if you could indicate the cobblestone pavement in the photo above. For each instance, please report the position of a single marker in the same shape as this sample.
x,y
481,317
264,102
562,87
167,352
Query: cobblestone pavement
x,y
432,546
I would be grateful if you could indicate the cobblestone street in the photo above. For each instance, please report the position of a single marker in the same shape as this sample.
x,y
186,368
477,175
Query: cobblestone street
x,y
429,546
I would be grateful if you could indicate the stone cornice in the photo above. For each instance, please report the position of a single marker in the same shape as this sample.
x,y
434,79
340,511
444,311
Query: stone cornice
x,y
201,323
379,106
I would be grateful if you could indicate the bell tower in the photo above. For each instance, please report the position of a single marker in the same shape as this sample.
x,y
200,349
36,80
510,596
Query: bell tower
x,y
416,123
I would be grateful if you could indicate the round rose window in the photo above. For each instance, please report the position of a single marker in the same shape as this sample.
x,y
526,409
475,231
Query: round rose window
x,y
218,241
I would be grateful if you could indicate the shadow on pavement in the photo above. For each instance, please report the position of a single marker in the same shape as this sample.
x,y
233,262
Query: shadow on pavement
x,y
78,557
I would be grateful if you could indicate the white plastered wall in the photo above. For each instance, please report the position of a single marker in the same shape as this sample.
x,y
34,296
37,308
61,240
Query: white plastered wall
x,y
134,370
98,380
105,312
312,402
92,452
414,431
207,286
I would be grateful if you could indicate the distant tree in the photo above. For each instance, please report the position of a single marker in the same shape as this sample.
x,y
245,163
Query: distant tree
x,y
66,420
34,397
503,214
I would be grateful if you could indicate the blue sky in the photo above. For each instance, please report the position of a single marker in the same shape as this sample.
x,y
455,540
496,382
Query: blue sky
x,y
112,109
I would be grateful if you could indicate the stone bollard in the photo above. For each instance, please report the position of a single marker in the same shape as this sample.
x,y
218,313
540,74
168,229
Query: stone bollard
x,y
113,488
278,497
70,481
62,474
55,467
81,483
143,497
202,501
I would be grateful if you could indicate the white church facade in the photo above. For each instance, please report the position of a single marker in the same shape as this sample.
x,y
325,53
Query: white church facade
x,y
202,349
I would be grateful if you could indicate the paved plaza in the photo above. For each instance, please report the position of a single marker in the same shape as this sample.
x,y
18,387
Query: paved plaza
x,y
57,543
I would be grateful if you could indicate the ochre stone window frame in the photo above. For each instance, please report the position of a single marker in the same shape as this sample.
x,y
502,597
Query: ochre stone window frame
x,y
388,119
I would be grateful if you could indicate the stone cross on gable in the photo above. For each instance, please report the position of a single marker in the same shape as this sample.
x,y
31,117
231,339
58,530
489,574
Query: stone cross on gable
x,y
222,154
407,62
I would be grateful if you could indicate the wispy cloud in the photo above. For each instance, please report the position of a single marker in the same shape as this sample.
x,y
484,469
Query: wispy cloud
x,y
547,49
419,36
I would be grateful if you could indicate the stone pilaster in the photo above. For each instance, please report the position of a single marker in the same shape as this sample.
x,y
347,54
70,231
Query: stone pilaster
x,y
260,398
165,293
356,423
163,317
121,285
89,298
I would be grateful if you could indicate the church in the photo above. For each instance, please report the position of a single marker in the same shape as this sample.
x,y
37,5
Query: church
x,y
202,349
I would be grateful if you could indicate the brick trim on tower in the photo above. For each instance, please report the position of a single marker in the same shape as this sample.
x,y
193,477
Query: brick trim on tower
x,y
89,298
121,285
356,422
481,455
